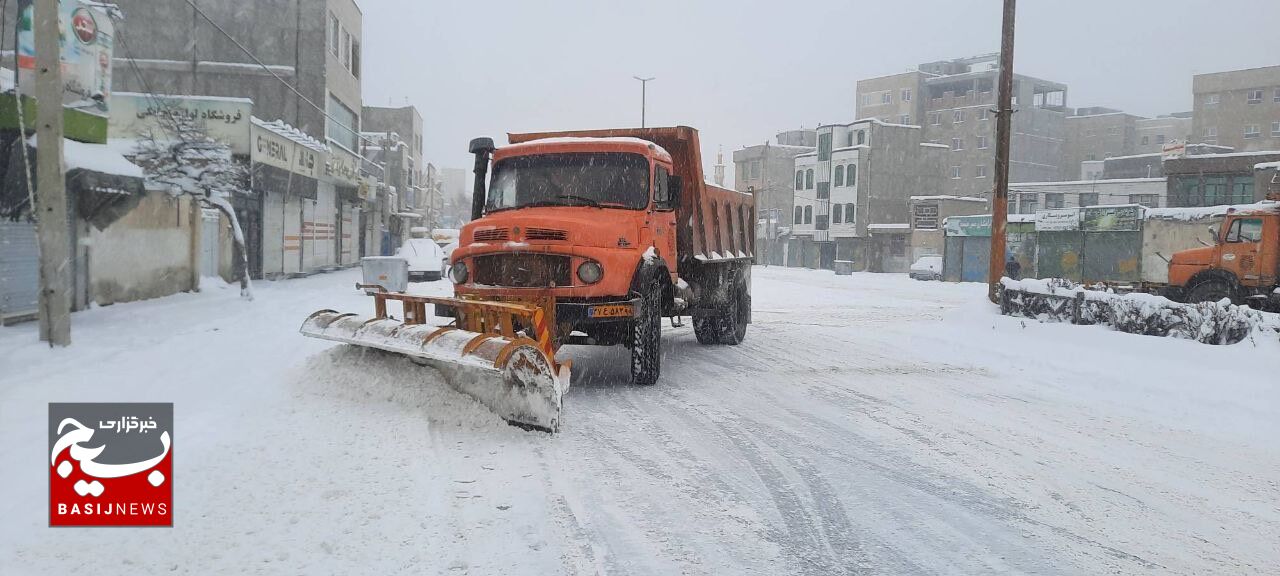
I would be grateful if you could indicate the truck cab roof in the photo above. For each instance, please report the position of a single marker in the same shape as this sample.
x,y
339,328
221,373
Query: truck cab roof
x,y
565,144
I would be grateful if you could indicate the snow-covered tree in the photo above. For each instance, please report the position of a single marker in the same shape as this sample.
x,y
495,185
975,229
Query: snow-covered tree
x,y
177,154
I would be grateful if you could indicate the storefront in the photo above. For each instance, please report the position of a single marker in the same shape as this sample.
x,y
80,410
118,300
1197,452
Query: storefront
x,y
286,168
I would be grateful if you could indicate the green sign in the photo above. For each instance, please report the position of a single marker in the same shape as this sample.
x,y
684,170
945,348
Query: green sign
x,y
977,225
1126,218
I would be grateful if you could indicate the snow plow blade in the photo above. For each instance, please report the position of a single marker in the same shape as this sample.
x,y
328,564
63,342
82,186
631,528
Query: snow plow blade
x,y
510,373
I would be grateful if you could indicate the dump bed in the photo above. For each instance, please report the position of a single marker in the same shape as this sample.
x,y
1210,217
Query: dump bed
x,y
714,224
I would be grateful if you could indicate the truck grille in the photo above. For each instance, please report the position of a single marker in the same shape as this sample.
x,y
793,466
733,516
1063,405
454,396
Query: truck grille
x,y
491,234
523,270
545,234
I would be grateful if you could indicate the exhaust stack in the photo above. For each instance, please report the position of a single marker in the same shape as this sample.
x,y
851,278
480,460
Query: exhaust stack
x,y
482,148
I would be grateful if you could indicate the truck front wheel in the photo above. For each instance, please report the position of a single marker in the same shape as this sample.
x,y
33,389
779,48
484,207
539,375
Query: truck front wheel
x,y
646,344
1212,290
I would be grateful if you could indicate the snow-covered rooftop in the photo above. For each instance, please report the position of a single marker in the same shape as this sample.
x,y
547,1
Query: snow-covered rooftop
x,y
95,157
1087,182
893,226
1267,166
284,130
1208,211
949,197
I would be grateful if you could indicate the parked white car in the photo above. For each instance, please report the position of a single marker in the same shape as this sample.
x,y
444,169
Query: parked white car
x,y
423,256
927,268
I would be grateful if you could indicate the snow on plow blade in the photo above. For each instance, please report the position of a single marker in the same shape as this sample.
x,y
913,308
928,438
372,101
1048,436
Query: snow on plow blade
x,y
512,375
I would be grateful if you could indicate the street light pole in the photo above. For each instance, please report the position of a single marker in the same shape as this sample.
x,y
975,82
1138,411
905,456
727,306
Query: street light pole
x,y
51,200
1004,125
644,84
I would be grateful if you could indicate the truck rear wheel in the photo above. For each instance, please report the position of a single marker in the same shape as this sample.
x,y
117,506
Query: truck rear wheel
x,y
729,325
646,344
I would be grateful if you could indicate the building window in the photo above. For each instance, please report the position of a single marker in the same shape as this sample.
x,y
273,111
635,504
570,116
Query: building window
x,y
848,212
957,144
824,190
1275,129
346,49
1212,99
935,119
335,30
955,172
824,147
343,125
1255,96
1146,140
1089,199
799,179
1054,200
1276,96
1242,190
980,171
1252,131
808,214
866,99
925,217
984,114
355,58
755,170
1159,138
886,98
957,116
1215,191
906,94
851,177
1148,200
808,179
835,216
1211,135
799,219
898,245
1030,202
904,119
982,142
820,222
838,178
862,137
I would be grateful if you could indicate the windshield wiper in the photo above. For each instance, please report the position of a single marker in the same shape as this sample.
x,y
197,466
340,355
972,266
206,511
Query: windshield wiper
x,y
589,201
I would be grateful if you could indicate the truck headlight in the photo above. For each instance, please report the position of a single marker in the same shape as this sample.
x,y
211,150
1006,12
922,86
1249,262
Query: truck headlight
x,y
458,272
590,272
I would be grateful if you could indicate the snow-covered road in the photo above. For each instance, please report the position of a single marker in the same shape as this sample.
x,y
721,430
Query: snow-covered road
x,y
868,425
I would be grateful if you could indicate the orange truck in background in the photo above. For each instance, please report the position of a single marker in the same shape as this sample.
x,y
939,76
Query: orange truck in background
x,y
607,232
1242,265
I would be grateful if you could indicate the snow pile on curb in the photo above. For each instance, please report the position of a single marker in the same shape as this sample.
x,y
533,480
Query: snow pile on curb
x,y
1059,300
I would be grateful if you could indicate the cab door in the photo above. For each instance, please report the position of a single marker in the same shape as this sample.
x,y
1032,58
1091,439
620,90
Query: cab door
x,y
663,218
1242,252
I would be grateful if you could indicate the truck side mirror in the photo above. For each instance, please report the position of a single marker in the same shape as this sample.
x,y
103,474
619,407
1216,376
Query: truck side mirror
x,y
674,184
1213,233
482,148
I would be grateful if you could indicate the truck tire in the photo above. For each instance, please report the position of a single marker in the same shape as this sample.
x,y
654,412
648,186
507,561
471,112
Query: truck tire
x,y
729,325
1211,290
646,344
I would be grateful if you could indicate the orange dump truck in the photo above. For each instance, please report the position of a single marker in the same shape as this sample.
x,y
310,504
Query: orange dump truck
x,y
580,237
1243,264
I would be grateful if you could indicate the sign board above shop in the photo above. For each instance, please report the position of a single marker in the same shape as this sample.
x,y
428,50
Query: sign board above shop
x,y
976,225
342,168
1121,218
87,44
280,145
1059,220
226,120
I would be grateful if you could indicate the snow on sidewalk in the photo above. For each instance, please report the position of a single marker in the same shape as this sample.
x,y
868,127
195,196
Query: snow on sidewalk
x,y
868,424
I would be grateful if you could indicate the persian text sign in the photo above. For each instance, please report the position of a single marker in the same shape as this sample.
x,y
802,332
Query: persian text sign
x,y
86,41
1125,218
223,119
978,225
110,464
1059,220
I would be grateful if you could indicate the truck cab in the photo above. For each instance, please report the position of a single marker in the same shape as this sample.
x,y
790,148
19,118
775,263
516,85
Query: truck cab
x,y
1243,263
608,232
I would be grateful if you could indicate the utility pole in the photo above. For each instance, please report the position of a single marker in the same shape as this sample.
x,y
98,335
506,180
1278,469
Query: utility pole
x,y
51,201
1004,127
644,84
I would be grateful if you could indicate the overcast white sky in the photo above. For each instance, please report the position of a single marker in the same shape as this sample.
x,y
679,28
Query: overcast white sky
x,y
742,70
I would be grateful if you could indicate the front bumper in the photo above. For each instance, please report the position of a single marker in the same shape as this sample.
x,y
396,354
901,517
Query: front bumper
x,y
579,313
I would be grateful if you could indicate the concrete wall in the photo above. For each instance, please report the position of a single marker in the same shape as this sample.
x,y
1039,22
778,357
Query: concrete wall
x,y
1162,236
145,254
1096,136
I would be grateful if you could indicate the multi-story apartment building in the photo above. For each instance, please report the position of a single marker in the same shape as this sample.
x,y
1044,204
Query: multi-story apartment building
x,y
1154,133
303,69
952,101
861,175
402,127
765,170
1093,134
1240,109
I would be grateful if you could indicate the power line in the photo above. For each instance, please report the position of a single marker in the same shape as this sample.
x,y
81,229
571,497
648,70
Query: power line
x,y
273,73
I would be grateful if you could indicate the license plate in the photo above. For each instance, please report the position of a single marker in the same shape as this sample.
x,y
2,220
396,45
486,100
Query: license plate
x,y
609,311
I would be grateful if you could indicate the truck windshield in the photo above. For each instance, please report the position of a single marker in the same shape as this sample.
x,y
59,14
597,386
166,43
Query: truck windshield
x,y
601,179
